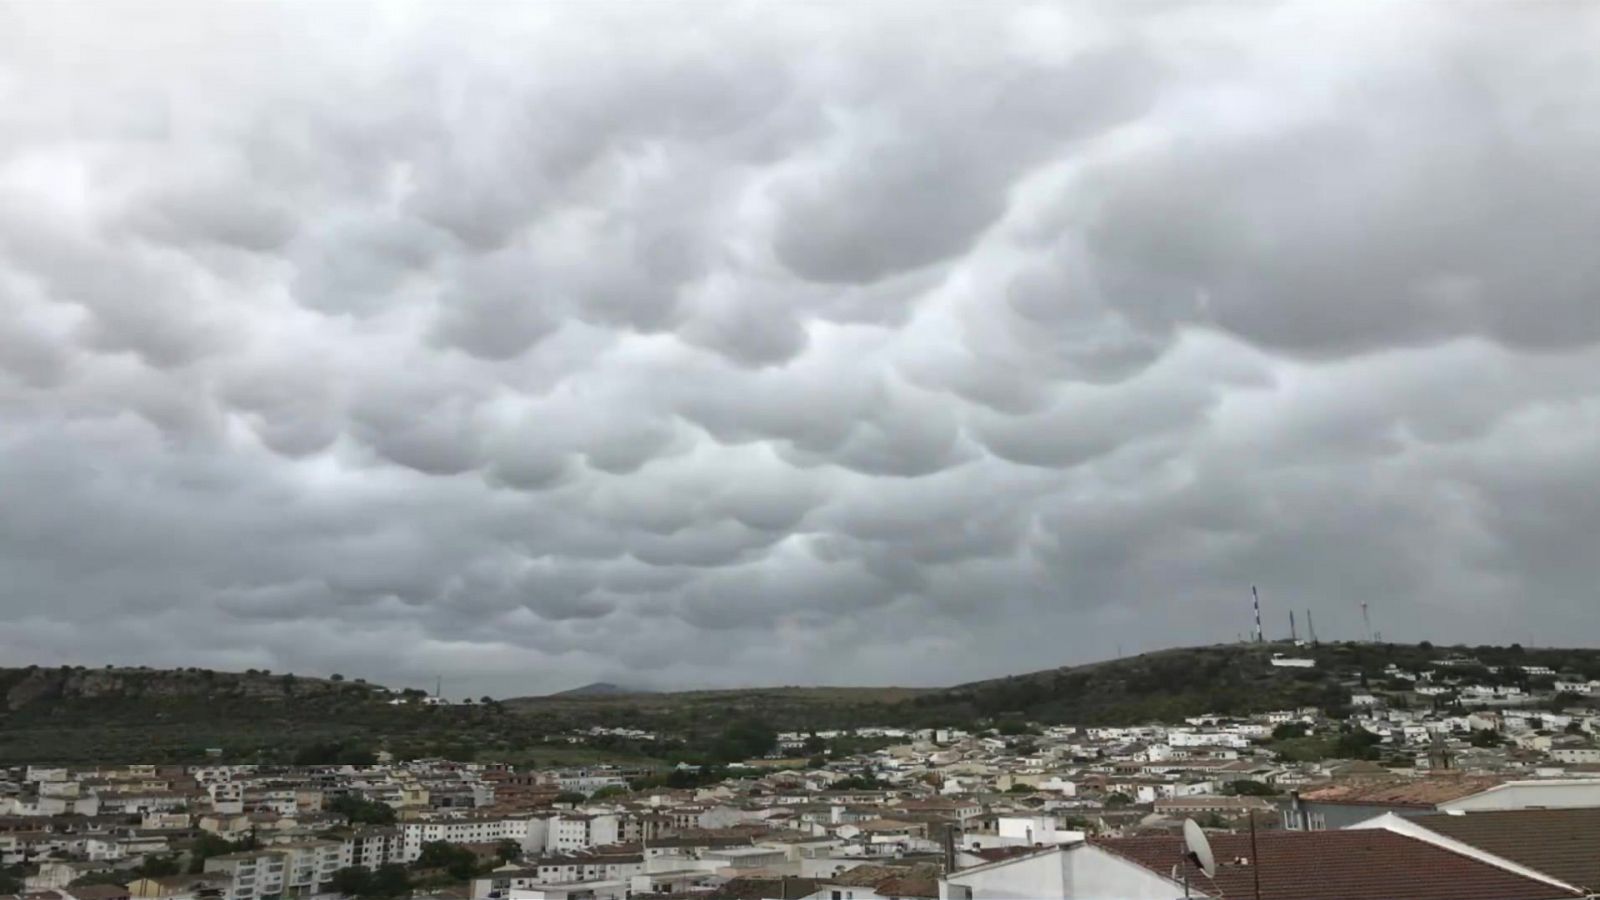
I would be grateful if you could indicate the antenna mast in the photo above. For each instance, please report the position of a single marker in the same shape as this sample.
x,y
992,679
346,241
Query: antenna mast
x,y
1257,598
1366,623
1311,627
1293,638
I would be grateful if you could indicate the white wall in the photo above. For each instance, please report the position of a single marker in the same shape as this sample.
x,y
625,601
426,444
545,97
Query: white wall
x,y
1081,872
1555,794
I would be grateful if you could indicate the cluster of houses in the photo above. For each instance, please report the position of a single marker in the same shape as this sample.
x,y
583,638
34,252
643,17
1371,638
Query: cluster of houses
x,y
1053,811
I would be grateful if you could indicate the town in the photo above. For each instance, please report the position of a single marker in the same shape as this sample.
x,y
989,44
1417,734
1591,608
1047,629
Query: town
x,y
1454,780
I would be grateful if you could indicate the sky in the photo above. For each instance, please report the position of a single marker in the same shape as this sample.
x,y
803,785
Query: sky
x,y
683,344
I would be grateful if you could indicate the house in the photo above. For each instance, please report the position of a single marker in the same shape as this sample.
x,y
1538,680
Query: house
x,y
1561,846
181,887
1214,803
880,882
1081,871
1345,803
1366,864
98,892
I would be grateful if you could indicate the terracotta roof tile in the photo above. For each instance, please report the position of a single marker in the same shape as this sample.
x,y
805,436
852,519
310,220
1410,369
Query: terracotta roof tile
x,y
1561,843
1424,793
1366,864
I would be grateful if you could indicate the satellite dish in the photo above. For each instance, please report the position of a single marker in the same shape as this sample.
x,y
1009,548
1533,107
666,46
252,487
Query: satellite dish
x,y
1194,840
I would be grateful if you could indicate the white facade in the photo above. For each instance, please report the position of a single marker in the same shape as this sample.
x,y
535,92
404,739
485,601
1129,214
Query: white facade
x,y
1552,794
1079,872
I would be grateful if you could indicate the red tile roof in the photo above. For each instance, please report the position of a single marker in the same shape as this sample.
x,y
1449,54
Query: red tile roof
x,y
1336,865
1421,793
1561,843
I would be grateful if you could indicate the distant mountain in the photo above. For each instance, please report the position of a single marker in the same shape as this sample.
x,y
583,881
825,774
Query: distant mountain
x,y
599,689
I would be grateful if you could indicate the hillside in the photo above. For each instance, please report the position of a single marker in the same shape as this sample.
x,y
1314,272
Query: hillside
x,y
597,689
76,714
1162,685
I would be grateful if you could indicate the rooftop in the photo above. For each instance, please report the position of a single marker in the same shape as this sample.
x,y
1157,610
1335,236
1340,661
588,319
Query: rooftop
x,y
1561,843
1336,865
1422,793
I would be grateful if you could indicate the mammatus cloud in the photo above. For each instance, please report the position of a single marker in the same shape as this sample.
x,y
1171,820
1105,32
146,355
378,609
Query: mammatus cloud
x,y
749,344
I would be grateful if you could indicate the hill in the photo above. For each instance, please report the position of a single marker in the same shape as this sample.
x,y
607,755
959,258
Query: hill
x,y
73,714
598,689
1165,685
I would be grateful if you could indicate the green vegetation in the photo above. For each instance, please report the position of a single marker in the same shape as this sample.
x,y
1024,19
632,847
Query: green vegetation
x,y
385,882
1245,787
334,753
457,861
361,811
1349,743
1290,730
206,845
78,715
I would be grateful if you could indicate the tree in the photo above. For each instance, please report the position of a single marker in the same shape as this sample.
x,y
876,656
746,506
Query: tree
x,y
11,884
1289,730
352,881
1574,727
455,859
1484,738
814,745
610,790
570,797
1118,801
508,850
205,846
330,753
744,739
1245,787
336,677
1356,743
157,866
389,880
361,811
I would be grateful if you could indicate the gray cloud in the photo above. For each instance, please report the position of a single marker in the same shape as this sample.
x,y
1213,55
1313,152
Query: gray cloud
x,y
544,345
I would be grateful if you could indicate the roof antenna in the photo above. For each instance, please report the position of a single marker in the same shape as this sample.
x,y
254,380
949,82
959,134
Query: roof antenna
x,y
1257,598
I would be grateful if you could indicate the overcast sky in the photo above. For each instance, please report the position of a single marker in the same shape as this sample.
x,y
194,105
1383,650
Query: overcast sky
x,y
682,344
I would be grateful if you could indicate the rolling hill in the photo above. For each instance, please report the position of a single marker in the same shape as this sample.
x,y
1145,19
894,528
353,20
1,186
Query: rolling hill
x,y
73,714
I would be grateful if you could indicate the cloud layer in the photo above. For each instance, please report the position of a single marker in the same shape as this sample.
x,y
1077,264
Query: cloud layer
x,y
751,343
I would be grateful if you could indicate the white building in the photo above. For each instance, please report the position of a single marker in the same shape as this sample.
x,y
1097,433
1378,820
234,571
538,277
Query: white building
x,y
1080,871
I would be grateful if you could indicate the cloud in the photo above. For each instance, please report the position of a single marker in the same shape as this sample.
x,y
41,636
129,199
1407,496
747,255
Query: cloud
x,y
546,345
